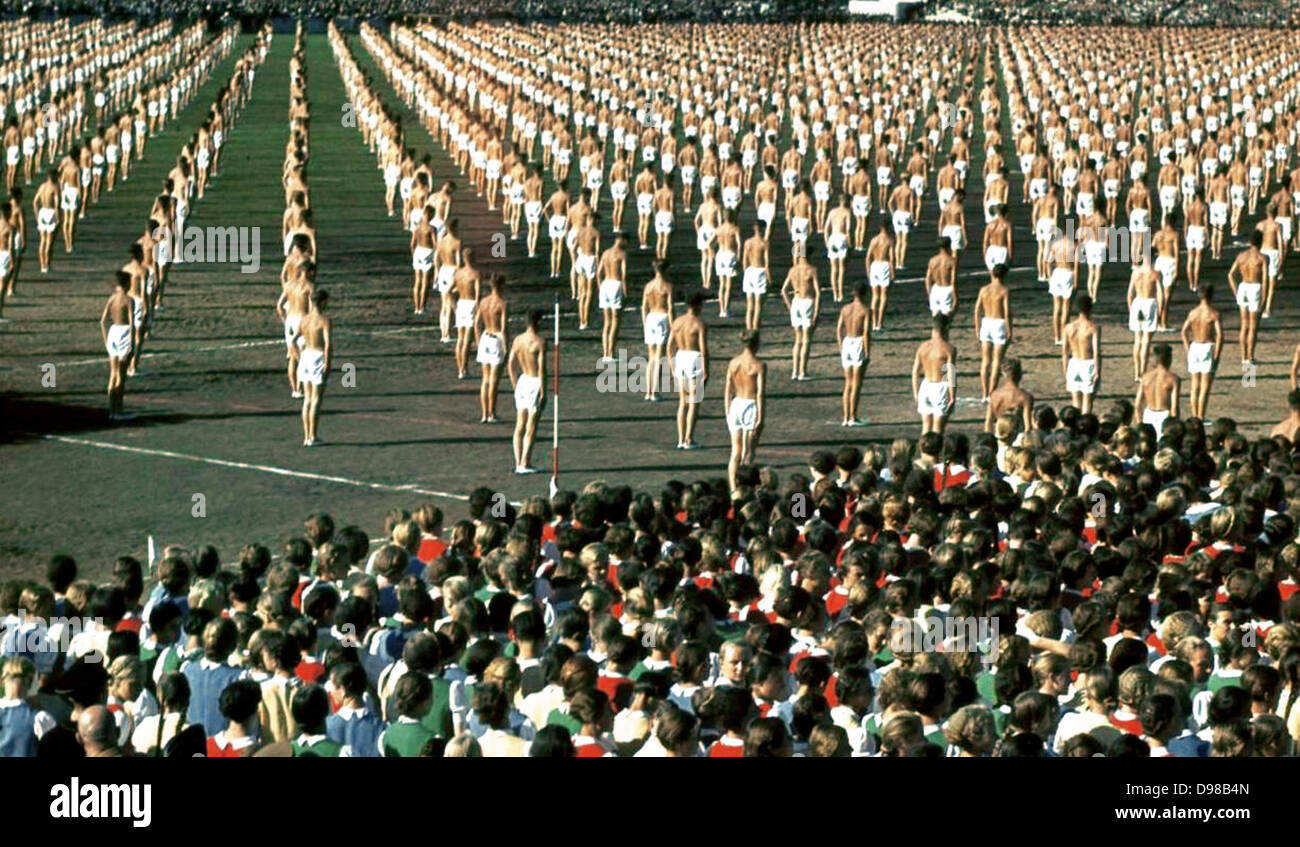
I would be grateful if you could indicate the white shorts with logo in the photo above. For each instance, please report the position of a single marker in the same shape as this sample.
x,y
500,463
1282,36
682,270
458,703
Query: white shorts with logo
x,y
656,328
465,313
1248,296
311,367
118,342
801,311
1080,376
742,414
1061,283
933,399
993,331
1142,315
611,293
852,352
491,349
1200,357
528,393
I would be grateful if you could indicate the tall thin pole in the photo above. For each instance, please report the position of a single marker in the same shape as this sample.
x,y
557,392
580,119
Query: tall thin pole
x,y
555,407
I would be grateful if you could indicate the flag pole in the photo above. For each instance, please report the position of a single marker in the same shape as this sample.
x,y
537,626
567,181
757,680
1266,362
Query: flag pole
x,y
555,406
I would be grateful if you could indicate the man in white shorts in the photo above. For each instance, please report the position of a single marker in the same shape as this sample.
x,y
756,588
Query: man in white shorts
x,y
743,400
934,374
527,370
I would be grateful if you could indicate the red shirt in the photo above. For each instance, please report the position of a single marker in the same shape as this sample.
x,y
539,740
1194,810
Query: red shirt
x,y
430,549
725,748
617,688
310,670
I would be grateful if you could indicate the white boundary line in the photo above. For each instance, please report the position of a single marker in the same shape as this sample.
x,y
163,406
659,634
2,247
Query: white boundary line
x,y
241,346
271,469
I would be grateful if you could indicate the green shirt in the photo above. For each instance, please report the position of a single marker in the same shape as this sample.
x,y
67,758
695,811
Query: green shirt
x,y
403,740
564,719
320,749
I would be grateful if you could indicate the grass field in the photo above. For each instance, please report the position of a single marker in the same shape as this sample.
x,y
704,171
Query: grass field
x,y
214,416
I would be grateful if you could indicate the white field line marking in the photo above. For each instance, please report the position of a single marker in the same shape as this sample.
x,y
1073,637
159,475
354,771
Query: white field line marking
x,y
271,469
243,345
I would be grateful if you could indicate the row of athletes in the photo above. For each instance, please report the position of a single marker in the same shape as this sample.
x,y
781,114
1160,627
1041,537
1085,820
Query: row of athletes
x,y
497,158
61,200
117,64
147,91
128,315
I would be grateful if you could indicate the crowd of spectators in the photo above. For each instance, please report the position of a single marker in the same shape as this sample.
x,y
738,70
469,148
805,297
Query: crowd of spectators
x,y
1137,12
1132,596
1108,12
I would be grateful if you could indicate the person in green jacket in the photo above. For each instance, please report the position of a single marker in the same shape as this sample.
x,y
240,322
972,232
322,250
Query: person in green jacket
x,y
310,708
407,736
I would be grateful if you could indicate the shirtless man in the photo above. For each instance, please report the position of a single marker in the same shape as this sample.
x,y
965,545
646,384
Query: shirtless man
x,y
859,188
1081,356
533,210
115,328
69,195
798,218
999,245
1111,174
656,319
1157,395
902,209
645,203
757,274
527,370
941,280
1219,196
1273,248
853,336
490,328
727,239
1194,232
1009,397
689,352
934,378
619,173
12,140
586,249
952,222
1167,180
1093,240
880,272
802,297
743,401
1203,342
837,224
611,279
557,217
1045,212
292,305
1137,206
17,221
765,197
314,363
1146,298
446,261
423,242
664,202
1063,271
46,206
8,258
1246,277
1290,425
466,285
992,327
708,217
